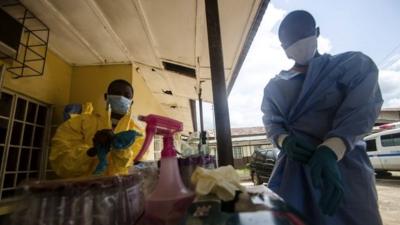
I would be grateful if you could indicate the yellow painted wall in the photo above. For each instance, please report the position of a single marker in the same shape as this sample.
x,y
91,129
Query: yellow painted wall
x,y
89,83
51,88
145,102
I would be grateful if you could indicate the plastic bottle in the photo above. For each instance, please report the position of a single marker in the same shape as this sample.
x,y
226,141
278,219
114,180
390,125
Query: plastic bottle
x,y
167,204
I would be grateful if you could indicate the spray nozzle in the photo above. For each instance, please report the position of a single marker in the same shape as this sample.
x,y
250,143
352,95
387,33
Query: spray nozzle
x,y
160,125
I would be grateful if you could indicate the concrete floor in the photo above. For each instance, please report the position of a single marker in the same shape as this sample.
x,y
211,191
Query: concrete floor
x,y
389,198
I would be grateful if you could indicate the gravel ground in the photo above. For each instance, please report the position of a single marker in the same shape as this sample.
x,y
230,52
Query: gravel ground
x,y
389,199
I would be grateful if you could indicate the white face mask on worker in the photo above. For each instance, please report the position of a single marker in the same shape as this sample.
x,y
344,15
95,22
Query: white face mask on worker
x,y
119,104
303,50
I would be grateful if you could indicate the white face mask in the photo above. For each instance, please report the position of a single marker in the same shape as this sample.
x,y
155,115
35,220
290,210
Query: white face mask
x,y
303,50
119,104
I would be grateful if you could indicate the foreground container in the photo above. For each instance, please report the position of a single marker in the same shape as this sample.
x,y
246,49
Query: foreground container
x,y
116,200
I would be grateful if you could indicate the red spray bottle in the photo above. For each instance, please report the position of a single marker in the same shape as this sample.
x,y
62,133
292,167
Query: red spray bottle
x,y
168,202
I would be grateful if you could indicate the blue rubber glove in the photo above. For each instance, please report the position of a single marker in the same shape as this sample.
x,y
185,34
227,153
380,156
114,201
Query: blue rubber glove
x,y
124,139
325,175
101,167
298,149
104,140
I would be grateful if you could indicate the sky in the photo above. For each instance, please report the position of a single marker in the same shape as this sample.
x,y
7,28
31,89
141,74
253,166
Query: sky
x,y
369,26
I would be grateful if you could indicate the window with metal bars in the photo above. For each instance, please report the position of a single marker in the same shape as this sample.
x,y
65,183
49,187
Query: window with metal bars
x,y
237,152
24,128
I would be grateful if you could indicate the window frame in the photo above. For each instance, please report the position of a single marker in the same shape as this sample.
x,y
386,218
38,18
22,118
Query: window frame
x,y
40,153
374,141
237,152
390,140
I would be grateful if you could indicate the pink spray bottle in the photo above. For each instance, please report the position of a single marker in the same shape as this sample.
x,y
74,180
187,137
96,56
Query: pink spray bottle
x,y
170,199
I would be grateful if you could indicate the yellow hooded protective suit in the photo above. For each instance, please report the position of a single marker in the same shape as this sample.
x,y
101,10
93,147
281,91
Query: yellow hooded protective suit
x,y
73,138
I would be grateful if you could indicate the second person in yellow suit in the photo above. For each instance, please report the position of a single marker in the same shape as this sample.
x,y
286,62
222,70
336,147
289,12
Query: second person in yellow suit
x,y
72,144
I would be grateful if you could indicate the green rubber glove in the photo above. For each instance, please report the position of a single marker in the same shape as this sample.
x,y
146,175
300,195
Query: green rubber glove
x,y
298,149
325,175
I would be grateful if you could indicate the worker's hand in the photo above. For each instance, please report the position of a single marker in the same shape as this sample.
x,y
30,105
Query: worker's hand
x,y
298,149
325,175
91,152
103,137
124,139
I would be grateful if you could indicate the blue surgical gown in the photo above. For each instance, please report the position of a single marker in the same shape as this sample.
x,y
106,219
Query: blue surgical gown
x,y
339,96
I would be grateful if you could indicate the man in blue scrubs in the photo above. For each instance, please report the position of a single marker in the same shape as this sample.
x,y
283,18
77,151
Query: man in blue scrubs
x,y
317,114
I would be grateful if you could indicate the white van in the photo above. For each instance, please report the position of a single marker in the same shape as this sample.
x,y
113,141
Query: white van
x,y
383,149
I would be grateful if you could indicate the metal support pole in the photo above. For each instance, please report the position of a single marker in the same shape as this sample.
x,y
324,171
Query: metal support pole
x,y
3,67
202,136
192,104
2,74
221,110
201,110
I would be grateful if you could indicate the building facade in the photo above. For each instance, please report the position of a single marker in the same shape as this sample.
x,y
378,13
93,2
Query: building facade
x,y
244,142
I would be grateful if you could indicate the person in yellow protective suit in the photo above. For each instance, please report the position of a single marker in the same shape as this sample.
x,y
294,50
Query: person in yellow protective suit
x,y
72,146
